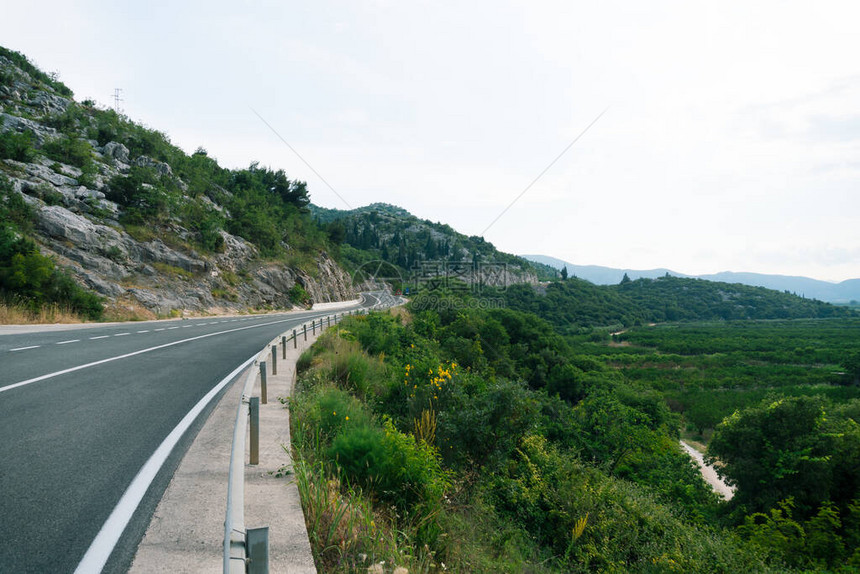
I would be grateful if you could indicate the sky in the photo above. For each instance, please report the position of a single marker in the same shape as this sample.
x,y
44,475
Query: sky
x,y
697,136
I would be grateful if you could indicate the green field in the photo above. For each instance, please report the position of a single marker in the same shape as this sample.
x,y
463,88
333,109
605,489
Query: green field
x,y
707,370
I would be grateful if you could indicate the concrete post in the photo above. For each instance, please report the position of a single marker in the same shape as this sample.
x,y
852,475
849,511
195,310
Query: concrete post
x,y
263,392
295,340
305,331
283,347
255,430
274,360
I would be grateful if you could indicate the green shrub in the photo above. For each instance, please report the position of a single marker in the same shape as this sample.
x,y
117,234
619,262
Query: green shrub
x,y
390,463
143,195
298,295
66,121
88,172
328,409
28,276
13,209
46,192
17,146
69,150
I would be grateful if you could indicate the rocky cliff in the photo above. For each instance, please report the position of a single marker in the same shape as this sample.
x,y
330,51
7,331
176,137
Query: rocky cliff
x,y
50,158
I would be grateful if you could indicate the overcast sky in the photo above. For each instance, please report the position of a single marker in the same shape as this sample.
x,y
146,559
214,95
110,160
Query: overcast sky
x,y
729,141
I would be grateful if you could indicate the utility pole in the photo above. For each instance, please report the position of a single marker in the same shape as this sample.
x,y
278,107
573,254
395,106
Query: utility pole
x,y
117,99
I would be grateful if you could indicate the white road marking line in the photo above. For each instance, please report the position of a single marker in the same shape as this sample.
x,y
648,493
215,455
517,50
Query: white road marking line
x,y
162,329
99,337
186,326
172,328
121,334
67,342
146,331
200,324
103,544
25,348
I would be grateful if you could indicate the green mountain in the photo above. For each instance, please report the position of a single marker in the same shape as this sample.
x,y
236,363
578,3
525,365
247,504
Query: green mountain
x,y
576,303
419,249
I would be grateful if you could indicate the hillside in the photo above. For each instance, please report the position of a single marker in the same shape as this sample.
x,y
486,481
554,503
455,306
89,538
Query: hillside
x,y
845,292
576,303
419,249
152,230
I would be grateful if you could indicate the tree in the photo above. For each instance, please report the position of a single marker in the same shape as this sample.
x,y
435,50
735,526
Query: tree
x,y
564,273
336,232
851,364
776,450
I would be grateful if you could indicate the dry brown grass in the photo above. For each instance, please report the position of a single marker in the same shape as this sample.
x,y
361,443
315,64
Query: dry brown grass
x,y
127,309
405,316
11,314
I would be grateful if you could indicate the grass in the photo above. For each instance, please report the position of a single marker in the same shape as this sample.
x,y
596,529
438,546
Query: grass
x,y
12,314
173,270
127,309
345,532
140,233
226,294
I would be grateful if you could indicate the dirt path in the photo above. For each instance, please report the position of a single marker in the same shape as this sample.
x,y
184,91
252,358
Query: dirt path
x,y
709,473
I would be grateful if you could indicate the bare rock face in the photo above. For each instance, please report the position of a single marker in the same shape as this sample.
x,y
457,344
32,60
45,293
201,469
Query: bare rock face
x,y
159,167
44,173
41,133
157,252
116,151
49,103
162,278
237,252
60,223
332,283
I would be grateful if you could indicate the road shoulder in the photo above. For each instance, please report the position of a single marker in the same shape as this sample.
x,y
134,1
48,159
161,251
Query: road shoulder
x,y
186,532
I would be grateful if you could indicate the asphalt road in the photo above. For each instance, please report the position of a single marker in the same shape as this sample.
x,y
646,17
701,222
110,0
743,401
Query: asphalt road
x,y
82,410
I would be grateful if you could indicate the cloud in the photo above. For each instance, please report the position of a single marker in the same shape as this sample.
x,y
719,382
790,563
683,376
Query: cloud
x,y
834,128
816,116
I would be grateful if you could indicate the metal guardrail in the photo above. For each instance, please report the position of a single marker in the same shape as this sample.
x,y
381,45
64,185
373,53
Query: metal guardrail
x,y
236,536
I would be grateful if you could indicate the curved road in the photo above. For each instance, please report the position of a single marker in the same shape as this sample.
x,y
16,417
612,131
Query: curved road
x,y
82,410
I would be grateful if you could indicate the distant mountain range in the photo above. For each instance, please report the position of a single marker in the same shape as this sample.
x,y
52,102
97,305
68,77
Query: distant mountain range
x,y
845,292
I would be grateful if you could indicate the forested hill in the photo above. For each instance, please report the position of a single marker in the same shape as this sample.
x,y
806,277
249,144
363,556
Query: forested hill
x,y
146,228
386,232
576,303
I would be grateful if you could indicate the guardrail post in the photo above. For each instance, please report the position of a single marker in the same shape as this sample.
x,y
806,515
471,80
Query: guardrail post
x,y
255,430
327,321
314,326
295,340
305,331
284,347
257,547
274,360
263,392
